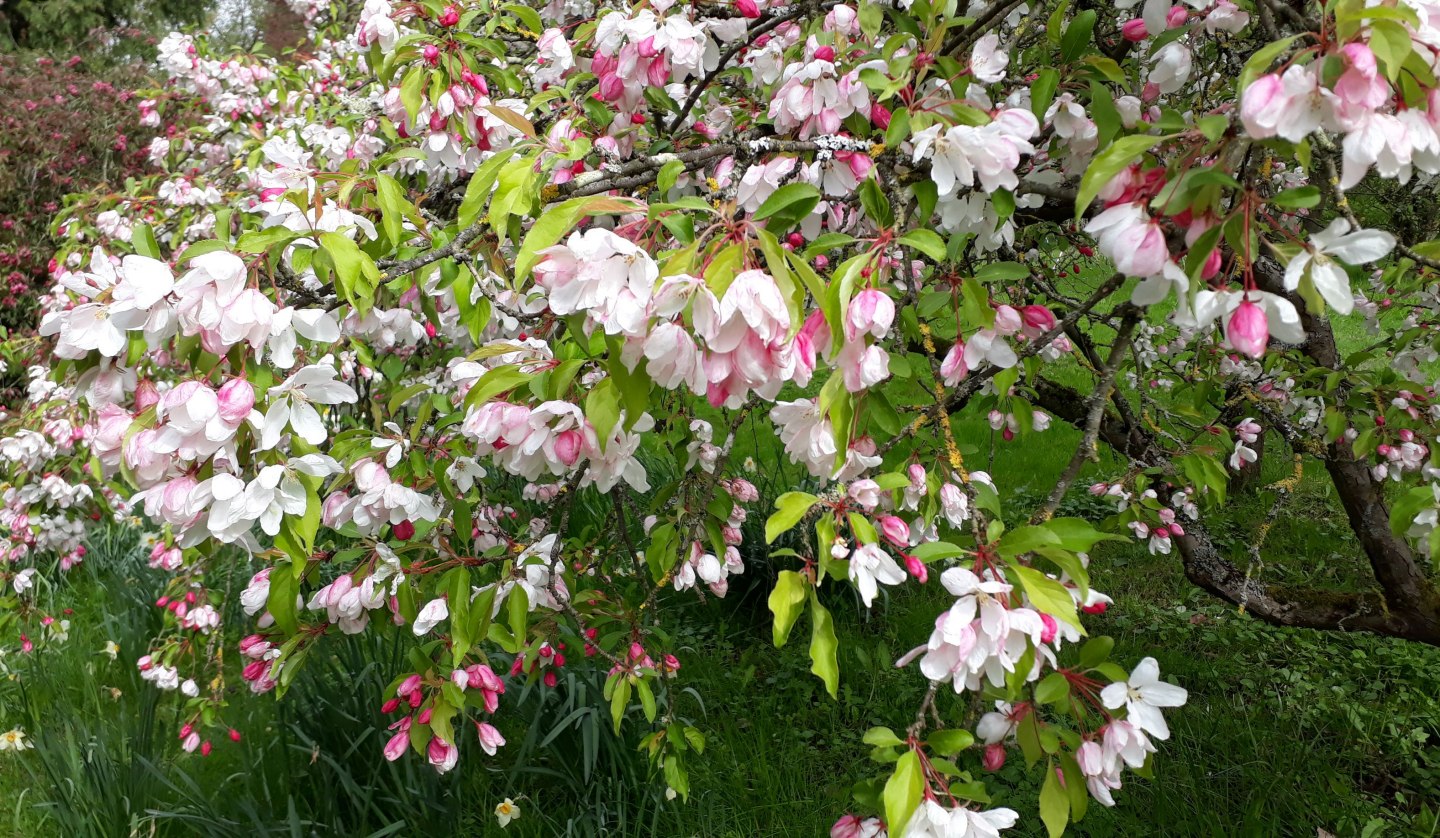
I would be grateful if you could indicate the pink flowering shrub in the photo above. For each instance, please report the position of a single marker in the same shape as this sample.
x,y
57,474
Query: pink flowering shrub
x,y
382,317
46,154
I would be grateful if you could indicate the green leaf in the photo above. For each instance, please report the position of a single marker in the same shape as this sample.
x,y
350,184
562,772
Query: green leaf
x,y
1213,127
950,742
1259,62
881,737
823,646
1077,36
934,551
1110,163
259,241
669,173
876,205
1054,803
1002,272
280,602
142,238
1048,595
903,792
790,508
927,242
1095,652
557,220
392,206
1410,504
647,699
477,191
1022,540
518,604
1301,197
602,408
1042,92
786,603
618,701
1390,41
788,205
1055,25
494,382
1078,534
412,90
1052,688
898,129
356,276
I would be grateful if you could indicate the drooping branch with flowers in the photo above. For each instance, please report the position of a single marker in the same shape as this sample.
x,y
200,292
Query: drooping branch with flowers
x,y
393,313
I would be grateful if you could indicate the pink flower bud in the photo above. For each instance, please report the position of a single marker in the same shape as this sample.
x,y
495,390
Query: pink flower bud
x,y
395,748
1212,265
432,54
405,530
490,738
1133,30
236,398
450,17
567,446
390,706
475,80
917,569
880,116
146,396
550,680
747,8
1038,319
1049,628
896,531
825,53
994,758
871,312
1098,608
425,716
611,87
408,686
1177,17
1247,330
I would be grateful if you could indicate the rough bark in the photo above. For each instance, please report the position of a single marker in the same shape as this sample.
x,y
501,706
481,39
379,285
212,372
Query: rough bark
x,y
1207,567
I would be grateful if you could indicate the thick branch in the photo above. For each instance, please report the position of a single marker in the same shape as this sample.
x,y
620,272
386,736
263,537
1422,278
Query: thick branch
x,y
1208,568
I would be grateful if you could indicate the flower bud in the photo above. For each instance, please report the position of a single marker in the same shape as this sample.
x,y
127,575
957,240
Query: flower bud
x,y
896,531
994,758
1247,330
146,396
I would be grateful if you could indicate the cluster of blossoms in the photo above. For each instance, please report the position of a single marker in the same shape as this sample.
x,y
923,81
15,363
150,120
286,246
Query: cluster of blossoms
x,y
448,331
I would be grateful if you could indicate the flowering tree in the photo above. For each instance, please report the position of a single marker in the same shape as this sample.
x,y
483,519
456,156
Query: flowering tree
x,y
450,324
